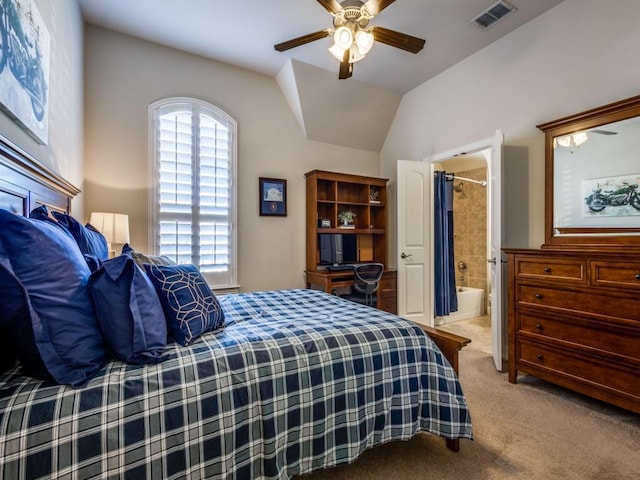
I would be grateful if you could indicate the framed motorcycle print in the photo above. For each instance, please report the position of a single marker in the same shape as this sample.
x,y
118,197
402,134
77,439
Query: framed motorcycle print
x,y
24,67
273,197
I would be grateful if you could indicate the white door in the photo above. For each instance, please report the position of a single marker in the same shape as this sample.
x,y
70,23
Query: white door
x,y
414,270
495,249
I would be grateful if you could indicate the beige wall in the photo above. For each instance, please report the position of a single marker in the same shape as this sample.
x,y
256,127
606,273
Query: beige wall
x,y
124,75
63,152
579,55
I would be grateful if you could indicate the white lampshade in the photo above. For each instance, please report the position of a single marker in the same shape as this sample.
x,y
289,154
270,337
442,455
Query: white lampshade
x,y
354,54
114,226
343,37
337,52
579,138
364,40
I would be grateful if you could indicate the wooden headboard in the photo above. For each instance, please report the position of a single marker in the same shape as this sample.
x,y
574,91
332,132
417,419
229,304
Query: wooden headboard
x,y
26,184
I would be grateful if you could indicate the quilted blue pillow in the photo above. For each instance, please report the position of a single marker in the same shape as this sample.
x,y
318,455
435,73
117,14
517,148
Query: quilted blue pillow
x,y
89,240
46,277
190,307
129,311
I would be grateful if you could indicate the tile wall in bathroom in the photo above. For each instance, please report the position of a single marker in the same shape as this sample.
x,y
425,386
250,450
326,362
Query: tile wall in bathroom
x,y
470,229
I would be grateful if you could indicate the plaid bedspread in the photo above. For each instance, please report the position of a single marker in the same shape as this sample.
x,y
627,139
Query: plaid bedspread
x,y
298,380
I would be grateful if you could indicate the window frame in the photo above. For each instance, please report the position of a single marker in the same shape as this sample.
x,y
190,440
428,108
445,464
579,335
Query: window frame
x,y
154,176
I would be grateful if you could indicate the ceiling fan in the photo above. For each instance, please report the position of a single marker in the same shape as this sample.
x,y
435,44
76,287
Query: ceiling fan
x,y
353,38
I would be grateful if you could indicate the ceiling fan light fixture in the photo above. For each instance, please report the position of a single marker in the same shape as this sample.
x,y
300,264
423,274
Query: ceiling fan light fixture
x,y
579,138
571,140
364,40
352,36
343,38
337,52
355,55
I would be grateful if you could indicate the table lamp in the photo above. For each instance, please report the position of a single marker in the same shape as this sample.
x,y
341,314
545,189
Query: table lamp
x,y
114,227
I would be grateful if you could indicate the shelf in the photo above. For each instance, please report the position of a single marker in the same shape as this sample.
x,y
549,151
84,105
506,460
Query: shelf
x,y
329,193
362,231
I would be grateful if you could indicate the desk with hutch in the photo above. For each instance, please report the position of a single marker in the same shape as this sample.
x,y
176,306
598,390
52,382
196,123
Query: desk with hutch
x,y
328,194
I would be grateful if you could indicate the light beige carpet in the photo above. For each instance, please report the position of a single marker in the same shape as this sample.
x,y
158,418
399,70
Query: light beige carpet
x,y
531,430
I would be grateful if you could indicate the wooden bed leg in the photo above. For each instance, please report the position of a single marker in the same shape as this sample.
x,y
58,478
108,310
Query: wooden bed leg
x,y
450,344
453,444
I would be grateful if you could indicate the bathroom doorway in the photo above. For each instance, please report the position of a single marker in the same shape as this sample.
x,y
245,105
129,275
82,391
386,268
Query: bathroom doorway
x,y
477,251
470,202
468,177
415,259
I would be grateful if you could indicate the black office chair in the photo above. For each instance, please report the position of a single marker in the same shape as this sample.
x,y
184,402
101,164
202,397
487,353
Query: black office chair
x,y
365,283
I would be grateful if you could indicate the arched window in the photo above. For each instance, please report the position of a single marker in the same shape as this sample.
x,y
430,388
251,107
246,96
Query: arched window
x,y
194,199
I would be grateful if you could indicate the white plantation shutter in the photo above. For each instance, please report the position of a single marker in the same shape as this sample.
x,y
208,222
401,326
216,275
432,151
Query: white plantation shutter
x,y
194,201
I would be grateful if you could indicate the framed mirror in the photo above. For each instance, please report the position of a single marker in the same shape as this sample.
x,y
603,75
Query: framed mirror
x,y
592,177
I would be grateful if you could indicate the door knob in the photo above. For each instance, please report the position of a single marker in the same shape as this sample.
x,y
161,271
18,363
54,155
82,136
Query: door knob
x,y
492,260
405,255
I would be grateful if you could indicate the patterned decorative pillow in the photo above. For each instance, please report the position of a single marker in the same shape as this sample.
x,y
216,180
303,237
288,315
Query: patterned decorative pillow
x,y
141,258
190,306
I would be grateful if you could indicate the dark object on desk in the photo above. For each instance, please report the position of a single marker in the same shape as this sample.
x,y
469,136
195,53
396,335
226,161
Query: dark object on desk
x,y
342,267
365,283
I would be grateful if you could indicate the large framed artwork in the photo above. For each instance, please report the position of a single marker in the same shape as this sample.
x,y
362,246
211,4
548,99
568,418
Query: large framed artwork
x,y
24,67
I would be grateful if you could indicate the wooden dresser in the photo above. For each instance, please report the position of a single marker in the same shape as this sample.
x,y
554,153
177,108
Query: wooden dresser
x,y
574,320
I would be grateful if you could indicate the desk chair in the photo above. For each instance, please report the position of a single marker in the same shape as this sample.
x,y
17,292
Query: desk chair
x,y
365,283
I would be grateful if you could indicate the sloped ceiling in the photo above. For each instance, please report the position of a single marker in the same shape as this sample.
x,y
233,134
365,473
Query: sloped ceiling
x,y
352,114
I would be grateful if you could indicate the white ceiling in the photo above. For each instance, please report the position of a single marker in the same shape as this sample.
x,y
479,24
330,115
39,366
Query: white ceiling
x,y
243,32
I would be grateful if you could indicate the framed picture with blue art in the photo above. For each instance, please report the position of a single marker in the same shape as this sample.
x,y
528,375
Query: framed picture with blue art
x,y
273,197
24,67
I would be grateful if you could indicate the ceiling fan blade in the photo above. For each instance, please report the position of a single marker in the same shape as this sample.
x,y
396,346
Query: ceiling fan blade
x,y
397,39
374,7
332,6
346,68
602,132
296,42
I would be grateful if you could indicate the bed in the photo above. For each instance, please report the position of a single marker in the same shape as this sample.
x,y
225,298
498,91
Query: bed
x,y
297,380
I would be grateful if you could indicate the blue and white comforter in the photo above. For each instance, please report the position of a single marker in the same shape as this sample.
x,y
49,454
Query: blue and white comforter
x,y
298,380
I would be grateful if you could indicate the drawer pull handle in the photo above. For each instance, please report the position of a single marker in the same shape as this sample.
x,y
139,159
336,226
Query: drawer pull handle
x,y
538,296
638,276
547,270
539,356
538,326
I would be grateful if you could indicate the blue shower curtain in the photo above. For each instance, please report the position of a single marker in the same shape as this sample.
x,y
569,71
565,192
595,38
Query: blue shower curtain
x,y
446,300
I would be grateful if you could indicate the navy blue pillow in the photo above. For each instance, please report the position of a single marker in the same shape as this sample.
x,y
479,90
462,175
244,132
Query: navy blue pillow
x,y
90,240
129,311
189,305
16,331
45,279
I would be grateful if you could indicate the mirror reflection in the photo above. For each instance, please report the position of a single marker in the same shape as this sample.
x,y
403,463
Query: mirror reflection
x,y
597,177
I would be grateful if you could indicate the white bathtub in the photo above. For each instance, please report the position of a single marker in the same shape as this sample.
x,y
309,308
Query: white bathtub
x,y
470,304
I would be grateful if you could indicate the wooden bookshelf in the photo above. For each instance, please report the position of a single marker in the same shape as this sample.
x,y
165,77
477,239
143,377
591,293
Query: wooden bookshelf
x,y
329,193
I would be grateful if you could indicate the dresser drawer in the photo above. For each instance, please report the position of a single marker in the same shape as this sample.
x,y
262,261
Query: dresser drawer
x,y
615,274
577,367
576,301
590,334
558,269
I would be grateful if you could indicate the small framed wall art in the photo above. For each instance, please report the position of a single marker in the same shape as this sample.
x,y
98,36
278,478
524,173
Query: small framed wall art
x,y
273,197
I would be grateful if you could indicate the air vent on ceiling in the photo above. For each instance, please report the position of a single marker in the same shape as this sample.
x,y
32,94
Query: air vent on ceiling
x,y
493,14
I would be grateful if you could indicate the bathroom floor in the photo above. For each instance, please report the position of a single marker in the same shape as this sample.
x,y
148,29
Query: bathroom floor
x,y
478,329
